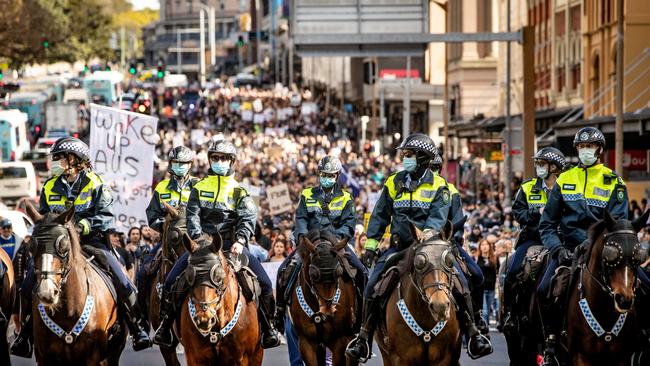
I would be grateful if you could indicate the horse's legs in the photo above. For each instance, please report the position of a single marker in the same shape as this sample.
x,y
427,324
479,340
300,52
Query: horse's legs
x,y
169,355
580,359
338,353
307,353
4,347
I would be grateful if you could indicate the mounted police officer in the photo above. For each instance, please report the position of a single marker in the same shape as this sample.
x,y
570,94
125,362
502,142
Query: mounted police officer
x,y
325,207
412,196
578,200
474,273
218,204
527,209
174,191
74,182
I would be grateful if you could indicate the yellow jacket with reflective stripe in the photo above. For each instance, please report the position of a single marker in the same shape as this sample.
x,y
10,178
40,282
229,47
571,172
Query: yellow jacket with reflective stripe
x,y
169,191
426,205
340,216
577,201
526,206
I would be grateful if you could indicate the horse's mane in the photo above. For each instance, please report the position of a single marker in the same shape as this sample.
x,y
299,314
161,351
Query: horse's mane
x,y
317,234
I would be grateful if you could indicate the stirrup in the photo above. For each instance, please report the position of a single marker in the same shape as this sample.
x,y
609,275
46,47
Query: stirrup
x,y
469,348
363,359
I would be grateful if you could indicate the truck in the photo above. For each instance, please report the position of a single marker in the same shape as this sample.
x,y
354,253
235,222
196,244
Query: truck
x,y
61,116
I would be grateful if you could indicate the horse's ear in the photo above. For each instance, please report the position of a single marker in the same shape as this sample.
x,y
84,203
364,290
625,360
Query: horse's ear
x,y
416,233
447,231
32,212
217,242
65,216
170,210
342,243
609,220
189,244
641,221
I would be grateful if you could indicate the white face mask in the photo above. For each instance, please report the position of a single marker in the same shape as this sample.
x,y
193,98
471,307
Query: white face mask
x,y
542,172
587,156
57,169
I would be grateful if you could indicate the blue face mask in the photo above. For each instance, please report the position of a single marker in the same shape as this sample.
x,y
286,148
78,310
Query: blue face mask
x,y
220,167
327,182
180,169
410,164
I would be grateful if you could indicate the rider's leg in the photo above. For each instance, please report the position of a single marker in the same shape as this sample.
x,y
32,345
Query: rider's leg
x,y
286,271
476,288
359,281
266,308
360,348
551,315
127,294
164,335
478,345
22,345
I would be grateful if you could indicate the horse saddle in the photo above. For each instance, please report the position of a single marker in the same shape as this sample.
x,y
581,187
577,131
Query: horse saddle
x,y
247,280
102,271
533,263
345,263
395,266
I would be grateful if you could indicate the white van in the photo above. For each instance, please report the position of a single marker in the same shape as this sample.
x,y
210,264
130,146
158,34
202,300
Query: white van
x,y
13,134
17,180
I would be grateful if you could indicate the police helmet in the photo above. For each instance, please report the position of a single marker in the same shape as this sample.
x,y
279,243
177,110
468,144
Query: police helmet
x,y
551,155
329,165
589,134
71,145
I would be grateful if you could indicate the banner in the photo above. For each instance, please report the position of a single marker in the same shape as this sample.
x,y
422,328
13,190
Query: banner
x,y
271,269
122,150
279,199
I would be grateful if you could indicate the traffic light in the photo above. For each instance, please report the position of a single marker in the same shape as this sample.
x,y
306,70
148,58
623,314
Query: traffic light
x,y
107,67
161,70
46,44
1,74
86,68
240,41
132,69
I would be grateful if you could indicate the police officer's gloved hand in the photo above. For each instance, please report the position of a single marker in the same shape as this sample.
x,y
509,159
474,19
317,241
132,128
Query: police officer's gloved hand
x,y
369,258
83,227
564,256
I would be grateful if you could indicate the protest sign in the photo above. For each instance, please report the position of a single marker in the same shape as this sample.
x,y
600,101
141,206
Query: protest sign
x,y
259,118
122,151
271,269
247,115
196,136
279,199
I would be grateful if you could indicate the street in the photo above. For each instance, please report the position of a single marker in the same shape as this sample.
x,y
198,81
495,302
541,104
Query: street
x,y
278,356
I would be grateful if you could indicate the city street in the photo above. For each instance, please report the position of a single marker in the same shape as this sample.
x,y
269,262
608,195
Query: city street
x,y
278,356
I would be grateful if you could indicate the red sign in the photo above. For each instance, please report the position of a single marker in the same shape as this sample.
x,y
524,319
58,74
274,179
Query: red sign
x,y
632,159
398,74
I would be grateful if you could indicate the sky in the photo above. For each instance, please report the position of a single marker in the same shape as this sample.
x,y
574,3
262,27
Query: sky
x,y
141,4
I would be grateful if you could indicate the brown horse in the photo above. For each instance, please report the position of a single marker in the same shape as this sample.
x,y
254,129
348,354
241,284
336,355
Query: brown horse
x,y
602,320
217,324
7,298
420,325
172,248
323,285
75,316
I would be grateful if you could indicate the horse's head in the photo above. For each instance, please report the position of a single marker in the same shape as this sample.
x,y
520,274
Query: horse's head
x,y
432,270
618,254
322,268
173,230
208,275
55,244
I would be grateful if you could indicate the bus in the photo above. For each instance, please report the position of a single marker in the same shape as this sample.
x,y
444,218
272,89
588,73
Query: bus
x,y
33,104
104,87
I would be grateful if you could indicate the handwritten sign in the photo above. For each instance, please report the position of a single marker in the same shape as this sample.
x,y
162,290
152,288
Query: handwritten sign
x,y
271,269
121,150
279,199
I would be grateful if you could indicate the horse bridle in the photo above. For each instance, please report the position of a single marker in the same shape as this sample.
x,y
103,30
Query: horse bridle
x,y
427,268
63,257
603,281
337,272
221,290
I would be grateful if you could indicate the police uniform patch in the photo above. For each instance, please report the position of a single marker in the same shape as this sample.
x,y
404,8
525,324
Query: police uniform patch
x,y
55,197
207,194
249,204
309,200
569,187
445,196
584,136
620,195
601,192
166,196
536,197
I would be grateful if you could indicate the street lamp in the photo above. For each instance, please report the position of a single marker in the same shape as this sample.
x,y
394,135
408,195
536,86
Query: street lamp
x,y
210,11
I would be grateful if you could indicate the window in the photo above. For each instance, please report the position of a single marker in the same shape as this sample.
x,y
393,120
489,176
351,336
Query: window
x,y
560,22
13,172
561,79
575,76
575,18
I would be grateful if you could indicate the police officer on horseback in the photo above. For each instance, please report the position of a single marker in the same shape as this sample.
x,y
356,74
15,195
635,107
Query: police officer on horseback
x,y
412,196
527,209
74,182
175,192
218,204
325,207
474,275
578,200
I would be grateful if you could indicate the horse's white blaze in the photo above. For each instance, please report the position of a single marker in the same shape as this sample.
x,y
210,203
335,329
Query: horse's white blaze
x,y
46,262
627,277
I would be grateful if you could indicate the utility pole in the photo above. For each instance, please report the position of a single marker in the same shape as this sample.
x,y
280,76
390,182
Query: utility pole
x,y
123,47
258,32
272,40
179,54
212,28
406,116
528,132
202,47
507,166
618,137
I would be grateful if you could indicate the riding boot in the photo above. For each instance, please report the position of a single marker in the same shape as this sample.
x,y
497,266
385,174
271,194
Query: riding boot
x,y
478,345
22,345
165,336
281,289
265,311
360,349
550,356
132,316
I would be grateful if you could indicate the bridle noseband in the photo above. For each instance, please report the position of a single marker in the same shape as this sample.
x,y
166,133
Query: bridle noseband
x,y
315,271
64,258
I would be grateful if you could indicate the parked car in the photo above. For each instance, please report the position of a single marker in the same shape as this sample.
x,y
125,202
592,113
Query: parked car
x,y
40,161
17,180
21,224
